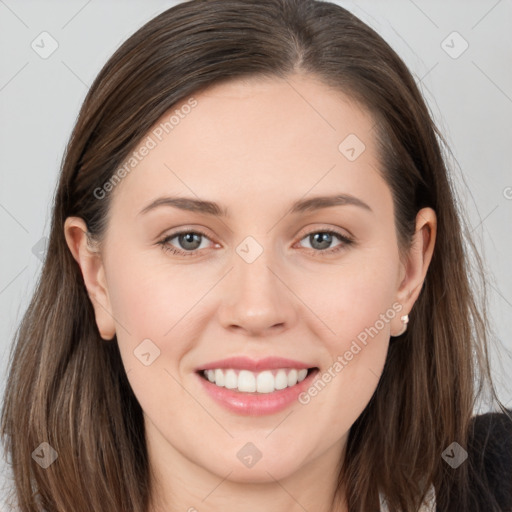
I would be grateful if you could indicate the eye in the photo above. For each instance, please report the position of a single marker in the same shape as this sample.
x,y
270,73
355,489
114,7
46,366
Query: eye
x,y
321,241
189,242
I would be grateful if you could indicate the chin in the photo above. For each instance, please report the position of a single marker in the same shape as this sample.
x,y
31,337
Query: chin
x,y
250,464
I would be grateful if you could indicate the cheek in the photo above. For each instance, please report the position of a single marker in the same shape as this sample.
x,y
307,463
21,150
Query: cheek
x,y
148,301
360,310
360,298
148,298
358,304
150,304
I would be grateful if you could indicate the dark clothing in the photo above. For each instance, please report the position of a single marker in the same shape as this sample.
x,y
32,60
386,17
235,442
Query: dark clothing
x,y
490,454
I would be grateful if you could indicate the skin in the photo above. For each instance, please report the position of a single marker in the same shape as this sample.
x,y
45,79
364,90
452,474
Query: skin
x,y
254,147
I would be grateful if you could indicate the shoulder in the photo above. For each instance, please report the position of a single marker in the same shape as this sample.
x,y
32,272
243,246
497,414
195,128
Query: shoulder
x,y
489,466
490,431
490,450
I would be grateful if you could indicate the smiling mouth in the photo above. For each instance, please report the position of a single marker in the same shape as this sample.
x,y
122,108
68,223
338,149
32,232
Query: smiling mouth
x,y
266,381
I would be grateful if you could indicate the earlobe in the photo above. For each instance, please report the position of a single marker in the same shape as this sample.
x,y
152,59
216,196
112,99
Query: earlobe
x,y
88,257
416,266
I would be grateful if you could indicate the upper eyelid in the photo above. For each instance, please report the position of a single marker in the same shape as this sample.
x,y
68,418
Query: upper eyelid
x,y
185,231
326,229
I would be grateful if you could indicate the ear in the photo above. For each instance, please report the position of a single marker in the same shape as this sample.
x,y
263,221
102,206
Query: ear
x,y
89,260
414,269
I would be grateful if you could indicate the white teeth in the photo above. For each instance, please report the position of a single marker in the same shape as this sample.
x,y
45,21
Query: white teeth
x,y
231,379
281,381
292,378
219,378
246,381
265,382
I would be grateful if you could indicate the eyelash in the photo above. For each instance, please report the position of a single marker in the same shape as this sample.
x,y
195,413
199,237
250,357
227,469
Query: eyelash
x,y
164,243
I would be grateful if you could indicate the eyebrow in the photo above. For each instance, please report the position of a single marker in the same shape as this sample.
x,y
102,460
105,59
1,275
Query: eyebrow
x,y
211,208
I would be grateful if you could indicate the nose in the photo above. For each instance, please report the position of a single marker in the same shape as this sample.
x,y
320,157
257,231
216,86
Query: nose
x,y
256,299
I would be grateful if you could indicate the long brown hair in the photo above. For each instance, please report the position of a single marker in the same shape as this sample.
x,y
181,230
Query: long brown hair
x,y
68,387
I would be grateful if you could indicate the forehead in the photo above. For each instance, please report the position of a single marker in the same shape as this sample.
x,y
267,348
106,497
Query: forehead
x,y
249,138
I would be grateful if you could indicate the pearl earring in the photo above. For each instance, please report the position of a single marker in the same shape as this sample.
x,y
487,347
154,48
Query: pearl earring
x,y
405,321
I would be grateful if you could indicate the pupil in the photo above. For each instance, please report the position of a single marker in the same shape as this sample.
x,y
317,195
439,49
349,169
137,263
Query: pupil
x,y
323,242
189,238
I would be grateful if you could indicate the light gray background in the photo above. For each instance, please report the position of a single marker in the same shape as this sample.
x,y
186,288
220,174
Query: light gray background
x,y
470,97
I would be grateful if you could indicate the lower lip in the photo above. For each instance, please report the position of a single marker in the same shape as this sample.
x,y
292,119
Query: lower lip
x,y
257,404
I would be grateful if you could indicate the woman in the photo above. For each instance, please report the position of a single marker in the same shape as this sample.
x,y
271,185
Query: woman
x,y
256,293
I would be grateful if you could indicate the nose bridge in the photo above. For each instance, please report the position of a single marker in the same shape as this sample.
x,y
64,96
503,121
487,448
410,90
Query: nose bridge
x,y
252,264
255,299
254,280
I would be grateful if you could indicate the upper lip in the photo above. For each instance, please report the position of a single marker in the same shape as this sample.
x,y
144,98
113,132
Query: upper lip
x,y
245,363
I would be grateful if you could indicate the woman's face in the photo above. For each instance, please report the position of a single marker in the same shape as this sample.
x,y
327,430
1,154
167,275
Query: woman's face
x,y
282,281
